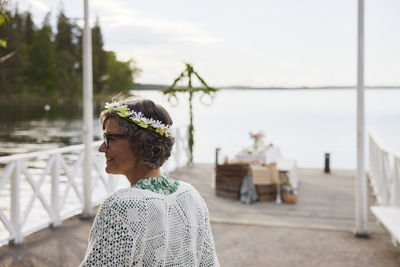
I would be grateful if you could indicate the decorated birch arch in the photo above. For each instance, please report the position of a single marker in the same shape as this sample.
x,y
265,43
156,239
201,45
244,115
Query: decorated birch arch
x,y
172,90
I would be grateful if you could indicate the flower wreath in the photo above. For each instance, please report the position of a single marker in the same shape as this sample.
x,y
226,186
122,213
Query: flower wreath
x,y
137,117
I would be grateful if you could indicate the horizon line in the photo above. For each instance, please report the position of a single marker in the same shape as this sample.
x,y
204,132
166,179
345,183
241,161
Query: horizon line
x,y
278,87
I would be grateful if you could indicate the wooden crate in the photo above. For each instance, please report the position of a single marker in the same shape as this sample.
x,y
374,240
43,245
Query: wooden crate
x,y
266,192
227,194
229,178
265,175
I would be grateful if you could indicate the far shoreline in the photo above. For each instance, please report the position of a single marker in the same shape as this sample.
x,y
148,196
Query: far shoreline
x,y
32,97
143,87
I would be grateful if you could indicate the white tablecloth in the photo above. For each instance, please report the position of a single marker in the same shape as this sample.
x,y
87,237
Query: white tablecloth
x,y
268,154
291,167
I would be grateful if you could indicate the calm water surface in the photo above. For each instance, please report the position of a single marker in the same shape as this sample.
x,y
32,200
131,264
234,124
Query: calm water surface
x,y
305,124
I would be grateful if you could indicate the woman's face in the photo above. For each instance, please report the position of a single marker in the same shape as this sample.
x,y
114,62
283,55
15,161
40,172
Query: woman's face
x,y
119,157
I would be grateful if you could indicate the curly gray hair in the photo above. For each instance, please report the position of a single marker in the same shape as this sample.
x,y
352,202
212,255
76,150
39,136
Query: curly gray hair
x,y
150,148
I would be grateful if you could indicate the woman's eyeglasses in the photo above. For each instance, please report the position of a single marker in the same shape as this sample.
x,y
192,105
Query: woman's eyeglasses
x,y
107,136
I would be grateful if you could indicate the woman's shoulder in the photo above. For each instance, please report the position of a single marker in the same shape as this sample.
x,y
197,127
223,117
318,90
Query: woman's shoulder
x,y
124,195
187,190
187,187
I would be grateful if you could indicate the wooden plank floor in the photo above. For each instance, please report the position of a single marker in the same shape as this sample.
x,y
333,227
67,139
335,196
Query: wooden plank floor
x,y
317,231
325,201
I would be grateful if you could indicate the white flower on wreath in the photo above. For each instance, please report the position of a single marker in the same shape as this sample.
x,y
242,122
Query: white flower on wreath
x,y
156,124
149,121
112,105
165,128
128,113
138,116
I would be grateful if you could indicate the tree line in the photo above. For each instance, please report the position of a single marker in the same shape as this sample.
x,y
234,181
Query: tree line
x,y
41,60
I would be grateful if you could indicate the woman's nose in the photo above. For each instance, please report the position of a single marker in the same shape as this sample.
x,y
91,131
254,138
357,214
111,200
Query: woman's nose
x,y
102,147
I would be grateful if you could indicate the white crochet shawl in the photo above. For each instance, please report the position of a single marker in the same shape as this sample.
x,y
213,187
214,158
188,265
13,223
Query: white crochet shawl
x,y
158,222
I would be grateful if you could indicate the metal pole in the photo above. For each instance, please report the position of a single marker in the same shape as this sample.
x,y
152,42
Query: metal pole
x,y
361,184
87,114
217,150
327,168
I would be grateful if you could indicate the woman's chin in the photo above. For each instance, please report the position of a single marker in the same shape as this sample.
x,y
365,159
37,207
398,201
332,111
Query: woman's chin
x,y
111,170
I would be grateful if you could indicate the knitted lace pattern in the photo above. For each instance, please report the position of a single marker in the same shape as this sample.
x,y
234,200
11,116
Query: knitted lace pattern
x,y
157,222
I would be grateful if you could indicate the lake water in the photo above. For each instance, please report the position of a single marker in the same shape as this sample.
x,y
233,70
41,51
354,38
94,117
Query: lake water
x,y
304,123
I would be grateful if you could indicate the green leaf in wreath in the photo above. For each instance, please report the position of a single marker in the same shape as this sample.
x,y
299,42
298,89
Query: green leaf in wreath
x,y
3,43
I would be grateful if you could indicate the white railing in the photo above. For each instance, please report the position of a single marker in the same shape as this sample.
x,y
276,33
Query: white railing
x,y
384,173
42,188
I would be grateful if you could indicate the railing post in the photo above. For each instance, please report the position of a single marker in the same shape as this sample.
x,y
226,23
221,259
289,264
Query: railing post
x,y
396,183
379,178
375,164
55,192
371,160
15,203
384,183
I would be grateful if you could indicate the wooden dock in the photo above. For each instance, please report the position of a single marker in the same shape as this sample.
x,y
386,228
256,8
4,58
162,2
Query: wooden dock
x,y
317,231
325,201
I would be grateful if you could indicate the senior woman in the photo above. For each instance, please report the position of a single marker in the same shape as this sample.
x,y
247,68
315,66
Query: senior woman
x,y
158,221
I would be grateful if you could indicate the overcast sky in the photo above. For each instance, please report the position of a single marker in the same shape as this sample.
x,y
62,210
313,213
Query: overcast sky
x,y
284,43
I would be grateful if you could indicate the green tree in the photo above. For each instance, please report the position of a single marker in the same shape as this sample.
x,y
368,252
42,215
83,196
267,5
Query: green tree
x,y
99,59
42,54
120,74
12,57
68,80
66,57
77,33
27,32
17,21
28,28
35,59
63,37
